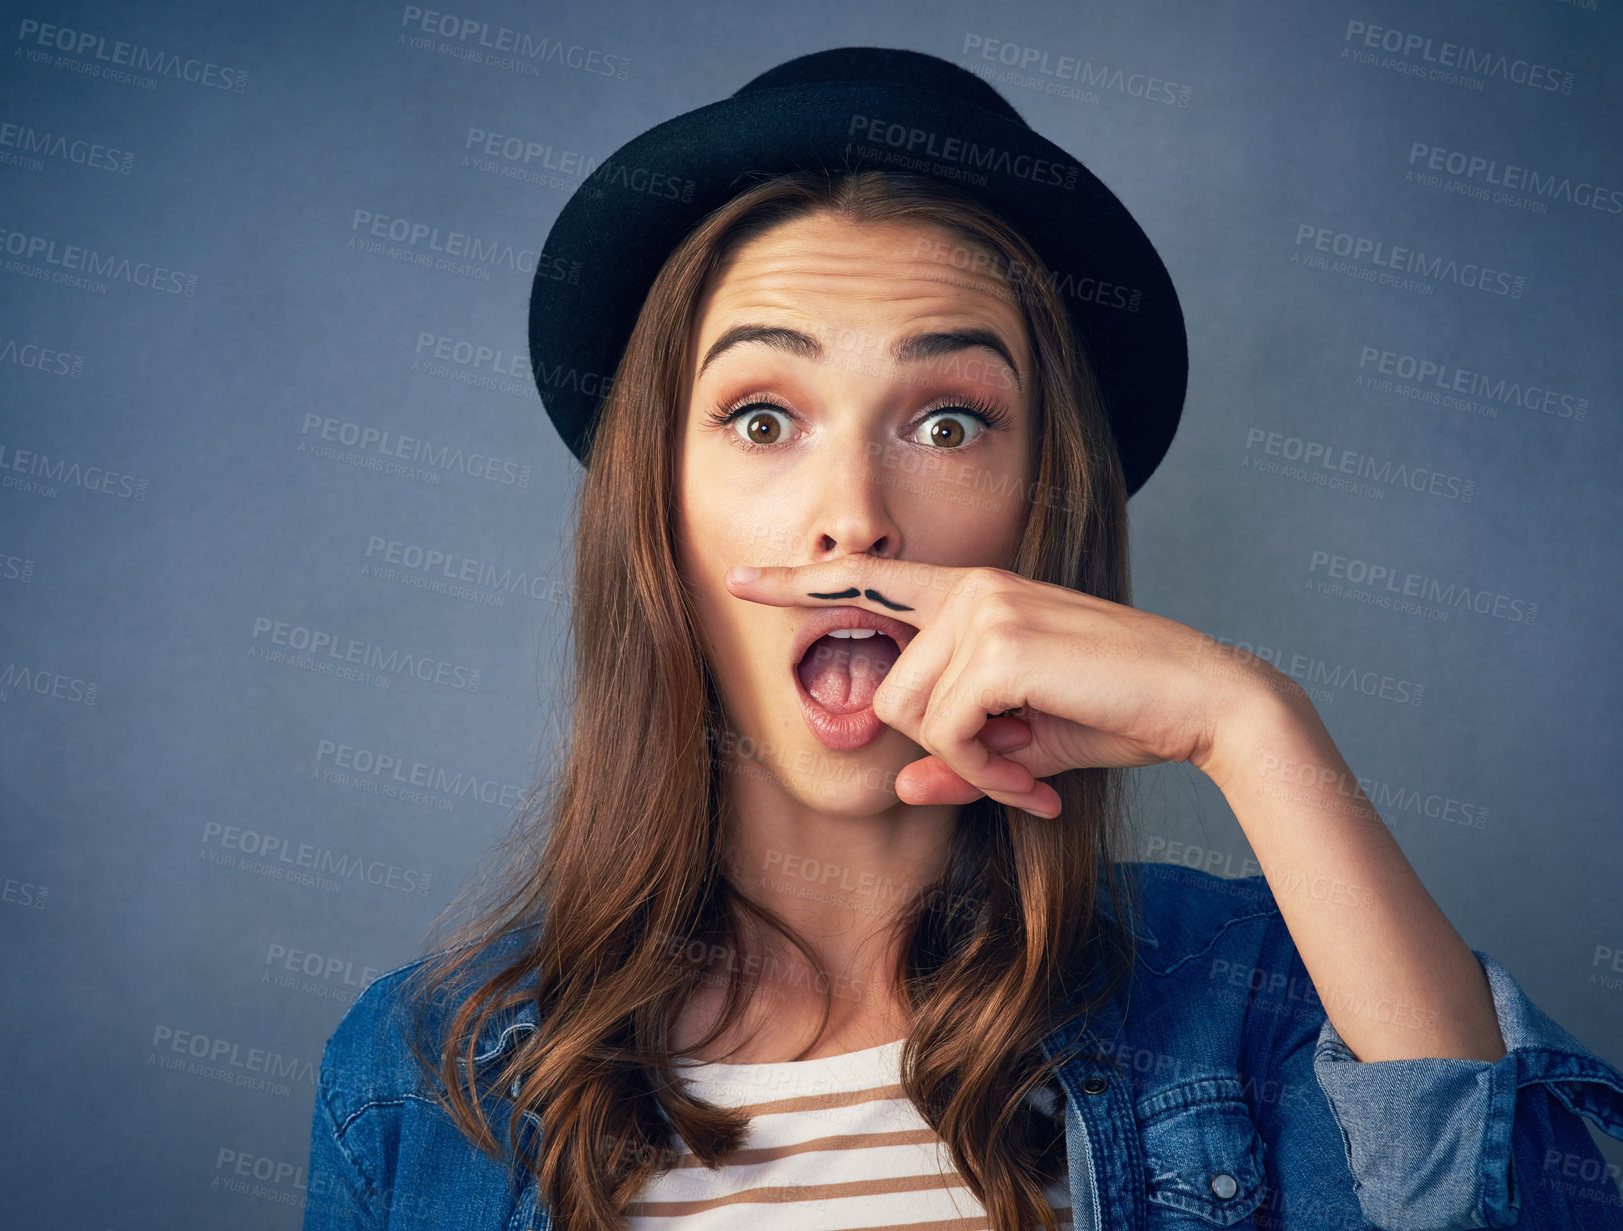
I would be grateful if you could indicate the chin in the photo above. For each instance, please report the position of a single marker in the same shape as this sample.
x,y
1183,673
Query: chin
x,y
851,798
857,783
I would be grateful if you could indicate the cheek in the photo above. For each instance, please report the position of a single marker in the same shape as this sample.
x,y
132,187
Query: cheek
x,y
733,517
967,524
702,526
705,549
696,514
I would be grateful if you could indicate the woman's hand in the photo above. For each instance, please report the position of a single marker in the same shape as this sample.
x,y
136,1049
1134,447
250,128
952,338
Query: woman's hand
x,y
1101,684
1094,683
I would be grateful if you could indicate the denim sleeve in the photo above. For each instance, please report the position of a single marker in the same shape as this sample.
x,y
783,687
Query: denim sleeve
x,y
1440,1143
336,1193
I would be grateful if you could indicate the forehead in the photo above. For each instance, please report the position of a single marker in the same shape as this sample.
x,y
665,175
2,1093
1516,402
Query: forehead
x,y
823,273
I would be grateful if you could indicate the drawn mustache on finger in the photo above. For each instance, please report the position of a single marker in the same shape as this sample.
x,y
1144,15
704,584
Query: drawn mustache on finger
x,y
853,592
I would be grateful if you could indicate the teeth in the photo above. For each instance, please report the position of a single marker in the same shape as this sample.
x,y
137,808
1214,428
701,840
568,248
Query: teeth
x,y
857,633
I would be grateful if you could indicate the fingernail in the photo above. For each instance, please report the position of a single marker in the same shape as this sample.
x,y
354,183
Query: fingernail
x,y
740,573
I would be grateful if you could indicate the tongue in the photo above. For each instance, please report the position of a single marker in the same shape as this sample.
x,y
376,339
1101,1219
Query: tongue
x,y
843,674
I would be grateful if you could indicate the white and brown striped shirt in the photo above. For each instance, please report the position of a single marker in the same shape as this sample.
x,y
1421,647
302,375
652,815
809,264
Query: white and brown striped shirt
x,y
833,1143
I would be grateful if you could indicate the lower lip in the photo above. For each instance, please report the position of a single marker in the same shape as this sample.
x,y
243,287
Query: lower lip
x,y
841,732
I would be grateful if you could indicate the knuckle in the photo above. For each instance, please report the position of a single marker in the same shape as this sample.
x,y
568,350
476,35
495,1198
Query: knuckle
x,y
984,579
1002,635
996,605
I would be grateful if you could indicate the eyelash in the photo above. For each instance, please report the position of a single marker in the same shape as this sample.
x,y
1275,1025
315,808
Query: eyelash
x,y
991,416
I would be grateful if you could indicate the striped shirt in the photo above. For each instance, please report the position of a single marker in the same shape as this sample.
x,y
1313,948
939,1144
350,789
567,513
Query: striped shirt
x,y
833,1143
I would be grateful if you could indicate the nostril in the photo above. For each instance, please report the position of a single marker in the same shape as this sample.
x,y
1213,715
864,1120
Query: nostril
x,y
881,547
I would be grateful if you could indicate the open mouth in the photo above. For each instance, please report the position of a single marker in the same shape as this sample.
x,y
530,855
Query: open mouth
x,y
846,653
843,669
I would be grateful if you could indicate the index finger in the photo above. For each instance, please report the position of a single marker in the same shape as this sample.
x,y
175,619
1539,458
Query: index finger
x,y
911,590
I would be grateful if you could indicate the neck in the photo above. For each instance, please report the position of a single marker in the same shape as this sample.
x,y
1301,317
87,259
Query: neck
x,y
838,877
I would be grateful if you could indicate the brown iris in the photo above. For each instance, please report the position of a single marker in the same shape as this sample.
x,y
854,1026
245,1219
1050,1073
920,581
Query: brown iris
x,y
763,429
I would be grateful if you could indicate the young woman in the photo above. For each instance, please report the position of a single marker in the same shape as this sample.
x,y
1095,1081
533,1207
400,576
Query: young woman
x,y
827,920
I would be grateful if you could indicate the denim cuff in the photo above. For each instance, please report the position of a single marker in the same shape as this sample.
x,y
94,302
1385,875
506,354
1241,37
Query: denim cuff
x,y
1429,1141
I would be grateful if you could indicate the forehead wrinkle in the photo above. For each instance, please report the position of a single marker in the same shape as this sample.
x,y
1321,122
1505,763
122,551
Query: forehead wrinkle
x,y
918,344
909,280
780,282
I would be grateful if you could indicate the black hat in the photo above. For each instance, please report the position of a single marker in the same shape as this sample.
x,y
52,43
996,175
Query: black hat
x,y
855,108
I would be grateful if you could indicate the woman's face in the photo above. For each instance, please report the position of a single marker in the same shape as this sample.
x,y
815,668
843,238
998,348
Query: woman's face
x,y
859,360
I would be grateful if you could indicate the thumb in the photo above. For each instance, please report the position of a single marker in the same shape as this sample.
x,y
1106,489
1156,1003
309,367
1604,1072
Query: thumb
x,y
929,781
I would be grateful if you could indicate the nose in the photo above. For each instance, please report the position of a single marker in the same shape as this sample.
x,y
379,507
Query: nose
x,y
851,514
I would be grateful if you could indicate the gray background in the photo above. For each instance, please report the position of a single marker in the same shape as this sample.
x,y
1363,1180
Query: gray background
x,y
160,772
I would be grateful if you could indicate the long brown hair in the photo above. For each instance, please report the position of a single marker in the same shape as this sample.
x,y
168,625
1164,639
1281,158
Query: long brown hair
x,y
618,867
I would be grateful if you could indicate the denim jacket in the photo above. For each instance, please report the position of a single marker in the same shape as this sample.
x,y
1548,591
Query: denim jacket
x,y
1211,1091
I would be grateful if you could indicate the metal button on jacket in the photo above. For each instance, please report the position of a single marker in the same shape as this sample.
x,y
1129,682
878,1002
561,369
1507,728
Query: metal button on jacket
x,y
1224,1186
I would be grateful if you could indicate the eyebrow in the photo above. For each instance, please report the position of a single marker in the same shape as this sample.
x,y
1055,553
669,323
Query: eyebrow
x,y
912,349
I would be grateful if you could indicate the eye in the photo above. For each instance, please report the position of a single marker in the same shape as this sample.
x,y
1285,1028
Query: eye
x,y
756,421
954,425
760,424
949,429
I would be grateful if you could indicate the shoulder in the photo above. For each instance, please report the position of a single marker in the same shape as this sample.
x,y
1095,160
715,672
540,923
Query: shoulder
x,y
1181,915
383,1149
371,1056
